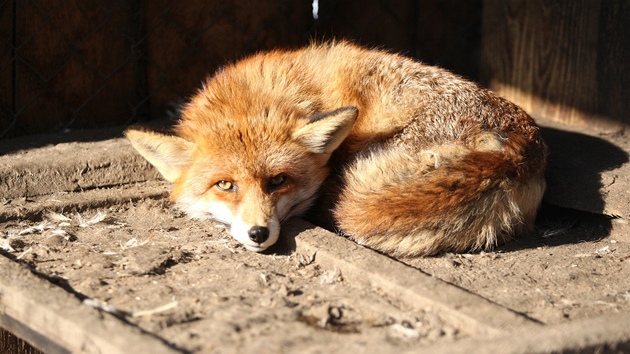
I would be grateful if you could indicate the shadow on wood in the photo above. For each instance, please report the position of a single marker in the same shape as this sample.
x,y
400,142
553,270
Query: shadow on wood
x,y
574,173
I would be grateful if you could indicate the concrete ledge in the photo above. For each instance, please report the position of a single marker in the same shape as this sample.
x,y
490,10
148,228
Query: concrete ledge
x,y
67,167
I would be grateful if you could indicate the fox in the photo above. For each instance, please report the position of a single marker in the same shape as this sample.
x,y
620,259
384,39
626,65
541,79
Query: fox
x,y
402,157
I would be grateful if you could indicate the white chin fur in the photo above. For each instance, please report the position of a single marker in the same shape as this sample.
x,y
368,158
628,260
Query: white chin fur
x,y
254,249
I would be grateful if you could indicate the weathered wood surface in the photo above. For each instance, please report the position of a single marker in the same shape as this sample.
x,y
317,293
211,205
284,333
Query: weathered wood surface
x,y
55,321
587,170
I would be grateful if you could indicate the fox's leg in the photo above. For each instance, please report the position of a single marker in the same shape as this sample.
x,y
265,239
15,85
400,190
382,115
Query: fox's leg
x,y
447,198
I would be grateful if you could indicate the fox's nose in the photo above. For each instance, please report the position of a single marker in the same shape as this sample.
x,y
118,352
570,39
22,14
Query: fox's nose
x,y
258,234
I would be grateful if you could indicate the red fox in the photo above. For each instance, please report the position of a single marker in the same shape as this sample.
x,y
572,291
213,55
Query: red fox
x,y
404,158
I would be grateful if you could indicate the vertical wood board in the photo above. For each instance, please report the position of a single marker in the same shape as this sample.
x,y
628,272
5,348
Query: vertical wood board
x,y
73,64
389,25
6,69
550,56
187,41
446,33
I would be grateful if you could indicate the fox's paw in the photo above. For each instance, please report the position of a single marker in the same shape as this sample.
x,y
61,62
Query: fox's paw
x,y
430,159
488,141
433,158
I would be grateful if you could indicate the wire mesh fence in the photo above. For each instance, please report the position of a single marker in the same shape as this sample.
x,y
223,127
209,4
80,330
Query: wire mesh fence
x,y
72,64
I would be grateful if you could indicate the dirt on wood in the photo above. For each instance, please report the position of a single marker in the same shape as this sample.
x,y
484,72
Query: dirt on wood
x,y
124,249
190,283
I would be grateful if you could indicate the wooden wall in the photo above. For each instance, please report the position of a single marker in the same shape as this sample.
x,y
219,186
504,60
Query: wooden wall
x,y
190,39
71,62
568,61
6,66
446,33
94,63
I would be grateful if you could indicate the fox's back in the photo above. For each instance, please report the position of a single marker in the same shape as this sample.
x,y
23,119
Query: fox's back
x,y
400,101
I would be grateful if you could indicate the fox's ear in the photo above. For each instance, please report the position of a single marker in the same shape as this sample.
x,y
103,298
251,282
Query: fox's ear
x,y
169,154
325,132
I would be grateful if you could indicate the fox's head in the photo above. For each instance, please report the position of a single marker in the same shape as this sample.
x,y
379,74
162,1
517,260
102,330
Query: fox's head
x,y
248,172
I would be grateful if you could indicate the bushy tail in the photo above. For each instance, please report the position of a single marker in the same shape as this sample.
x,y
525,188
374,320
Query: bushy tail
x,y
447,199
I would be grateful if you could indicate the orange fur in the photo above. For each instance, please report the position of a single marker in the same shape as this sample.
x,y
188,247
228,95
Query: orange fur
x,y
402,157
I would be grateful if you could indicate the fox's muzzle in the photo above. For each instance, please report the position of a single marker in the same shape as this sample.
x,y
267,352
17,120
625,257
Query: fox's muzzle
x,y
258,234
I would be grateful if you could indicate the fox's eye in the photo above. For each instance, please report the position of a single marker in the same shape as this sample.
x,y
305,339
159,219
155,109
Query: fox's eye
x,y
277,181
225,186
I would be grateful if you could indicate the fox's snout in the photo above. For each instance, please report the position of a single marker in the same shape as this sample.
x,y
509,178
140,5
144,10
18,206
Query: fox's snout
x,y
255,224
258,234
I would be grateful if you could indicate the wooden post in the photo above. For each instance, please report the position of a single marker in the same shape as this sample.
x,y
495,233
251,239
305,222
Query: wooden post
x,y
6,69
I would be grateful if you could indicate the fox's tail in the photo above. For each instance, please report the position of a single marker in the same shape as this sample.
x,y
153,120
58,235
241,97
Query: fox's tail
x,y
451,198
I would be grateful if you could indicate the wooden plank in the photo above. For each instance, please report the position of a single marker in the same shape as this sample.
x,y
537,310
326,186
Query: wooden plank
x,y
71,167
56,321
607,334
543,55
417,290
6,69
187,41
74,66
44,344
